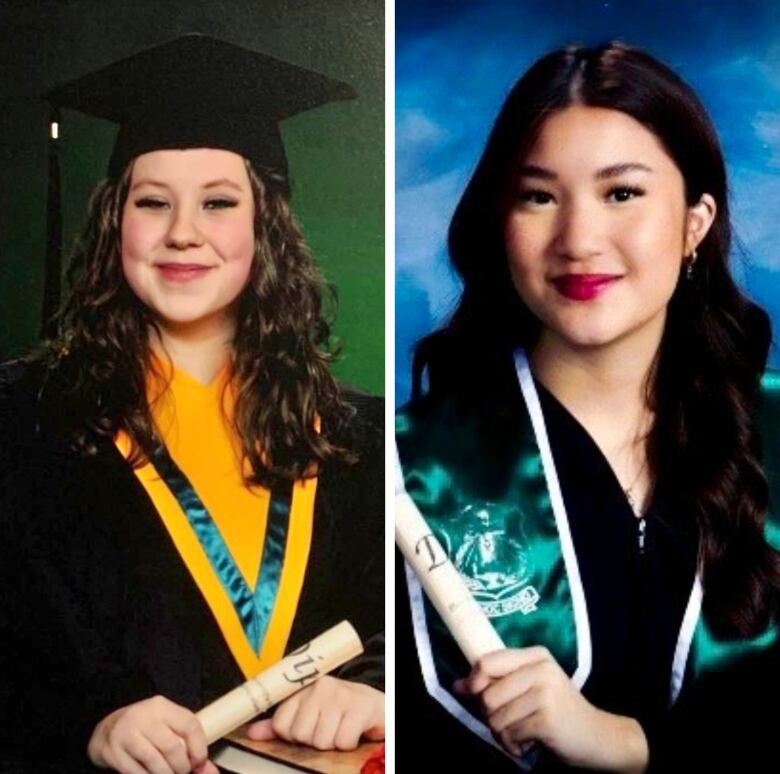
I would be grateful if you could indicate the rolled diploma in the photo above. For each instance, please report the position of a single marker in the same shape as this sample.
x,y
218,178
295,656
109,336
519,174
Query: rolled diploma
x,y
296,670
443,584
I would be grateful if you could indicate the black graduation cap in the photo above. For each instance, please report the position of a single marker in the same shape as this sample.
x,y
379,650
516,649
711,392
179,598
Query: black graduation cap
x,y
194,91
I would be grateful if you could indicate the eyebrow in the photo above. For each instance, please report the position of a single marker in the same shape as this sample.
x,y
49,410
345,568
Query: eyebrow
x,y
211,184
224,181
613,170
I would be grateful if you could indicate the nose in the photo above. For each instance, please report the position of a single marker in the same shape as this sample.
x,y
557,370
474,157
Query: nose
x,y
183,231
579,231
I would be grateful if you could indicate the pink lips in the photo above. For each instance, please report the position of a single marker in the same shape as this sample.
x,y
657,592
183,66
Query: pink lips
x,y
182,272
583,287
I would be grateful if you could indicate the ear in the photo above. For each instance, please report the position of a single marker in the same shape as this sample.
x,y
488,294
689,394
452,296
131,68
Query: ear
x,y
699,219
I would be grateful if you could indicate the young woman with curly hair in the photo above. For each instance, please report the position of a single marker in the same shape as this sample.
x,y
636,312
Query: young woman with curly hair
x,y
188,494
585,438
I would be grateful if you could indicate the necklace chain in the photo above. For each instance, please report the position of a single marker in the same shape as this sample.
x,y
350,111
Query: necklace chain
x,y
629,491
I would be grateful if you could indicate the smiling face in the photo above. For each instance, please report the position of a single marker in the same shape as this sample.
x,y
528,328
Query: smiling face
x,y
597,227
188,234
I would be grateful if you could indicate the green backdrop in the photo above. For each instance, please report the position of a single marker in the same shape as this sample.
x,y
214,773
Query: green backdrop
x,y
336,152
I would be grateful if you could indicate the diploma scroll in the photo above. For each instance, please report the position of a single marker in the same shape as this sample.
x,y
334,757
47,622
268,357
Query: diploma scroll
x,y
443,584
296,670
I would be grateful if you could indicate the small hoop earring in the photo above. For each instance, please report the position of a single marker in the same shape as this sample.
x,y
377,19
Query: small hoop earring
x,y
689,267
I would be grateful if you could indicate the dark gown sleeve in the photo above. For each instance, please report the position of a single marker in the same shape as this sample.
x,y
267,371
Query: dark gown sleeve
x,y
52,693
727,721
364,505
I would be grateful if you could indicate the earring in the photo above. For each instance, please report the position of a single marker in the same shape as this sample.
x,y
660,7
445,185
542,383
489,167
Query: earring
x,y
689,267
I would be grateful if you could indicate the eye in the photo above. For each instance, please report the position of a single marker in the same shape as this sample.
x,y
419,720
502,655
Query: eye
x,y
624,193
534,197
220,203
151,202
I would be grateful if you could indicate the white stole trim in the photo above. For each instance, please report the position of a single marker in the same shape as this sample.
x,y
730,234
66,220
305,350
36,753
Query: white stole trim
x,y
685,640
581,622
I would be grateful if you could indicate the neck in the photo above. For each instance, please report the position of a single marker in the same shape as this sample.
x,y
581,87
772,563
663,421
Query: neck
x,y
605,388
200,349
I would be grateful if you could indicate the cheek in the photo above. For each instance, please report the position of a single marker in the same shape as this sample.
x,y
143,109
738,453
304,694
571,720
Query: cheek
x,y
132,239
234,238
234,241
136,242
525,253
656,246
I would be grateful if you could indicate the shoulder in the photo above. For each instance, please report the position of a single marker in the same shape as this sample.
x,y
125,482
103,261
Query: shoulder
x,y
364,428
424,414
357,485
368,409
768,410
443,420
770,384
20,383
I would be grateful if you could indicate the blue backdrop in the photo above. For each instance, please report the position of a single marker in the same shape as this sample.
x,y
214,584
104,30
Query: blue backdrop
x,y
455,62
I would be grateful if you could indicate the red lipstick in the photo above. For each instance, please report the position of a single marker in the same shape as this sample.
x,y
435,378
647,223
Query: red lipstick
x,y
182,272
583,287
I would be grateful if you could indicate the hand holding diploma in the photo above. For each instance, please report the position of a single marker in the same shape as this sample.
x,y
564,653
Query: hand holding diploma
x,y
158,736
153,735
527,697
331,714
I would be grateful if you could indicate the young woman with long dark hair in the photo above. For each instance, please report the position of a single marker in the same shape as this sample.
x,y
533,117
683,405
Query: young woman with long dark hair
x,y
584,438
187,493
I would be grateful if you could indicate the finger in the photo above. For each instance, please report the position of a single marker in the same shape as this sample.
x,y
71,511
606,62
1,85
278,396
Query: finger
x,y
282,720
261,730
519,737
116,758
505,689
305,722
375,733
188,728
144,752
500,663
327,725
461,686
349,731
515,711
207,767
172,748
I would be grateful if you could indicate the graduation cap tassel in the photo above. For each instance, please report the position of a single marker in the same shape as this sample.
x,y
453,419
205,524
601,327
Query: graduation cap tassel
x,y
53,268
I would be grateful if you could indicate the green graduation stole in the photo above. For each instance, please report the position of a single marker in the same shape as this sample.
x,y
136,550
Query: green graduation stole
x,y
509,537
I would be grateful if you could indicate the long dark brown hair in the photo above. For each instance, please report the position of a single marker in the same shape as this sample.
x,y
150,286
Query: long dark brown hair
x,y
704,445
287,402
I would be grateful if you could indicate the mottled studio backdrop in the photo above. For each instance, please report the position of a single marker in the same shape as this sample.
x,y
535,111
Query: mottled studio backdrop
x,y
455,61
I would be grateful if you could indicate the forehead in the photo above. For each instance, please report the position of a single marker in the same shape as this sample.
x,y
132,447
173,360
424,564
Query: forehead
x,y
191,166
591,138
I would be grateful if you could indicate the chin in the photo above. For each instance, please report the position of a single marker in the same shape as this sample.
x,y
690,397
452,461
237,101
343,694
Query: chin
x,y
178,317
584,332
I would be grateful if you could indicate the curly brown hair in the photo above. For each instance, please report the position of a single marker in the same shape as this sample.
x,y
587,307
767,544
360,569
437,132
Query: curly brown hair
x,y
287,401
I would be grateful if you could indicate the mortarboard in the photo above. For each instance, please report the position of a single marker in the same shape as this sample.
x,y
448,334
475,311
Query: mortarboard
x,y
194,91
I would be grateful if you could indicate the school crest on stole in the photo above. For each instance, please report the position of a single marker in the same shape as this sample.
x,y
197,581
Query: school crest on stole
x,y
489,549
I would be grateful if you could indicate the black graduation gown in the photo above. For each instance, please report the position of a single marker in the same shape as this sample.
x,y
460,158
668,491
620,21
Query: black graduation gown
x,y
97,610
635,602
